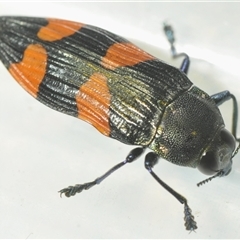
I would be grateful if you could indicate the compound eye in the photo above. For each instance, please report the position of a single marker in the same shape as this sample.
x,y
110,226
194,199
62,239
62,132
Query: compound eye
x,y
228,139
209,163
219,155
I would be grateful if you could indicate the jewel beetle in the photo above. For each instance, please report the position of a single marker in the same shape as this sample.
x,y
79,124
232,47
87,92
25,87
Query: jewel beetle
x,y
124,92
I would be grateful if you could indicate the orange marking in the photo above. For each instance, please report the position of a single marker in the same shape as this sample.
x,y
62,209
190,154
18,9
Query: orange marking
x,y
31,70
124,54
58,29
93,103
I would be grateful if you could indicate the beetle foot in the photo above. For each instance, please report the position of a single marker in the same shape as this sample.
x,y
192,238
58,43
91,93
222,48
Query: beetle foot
x,y
72,190
190,224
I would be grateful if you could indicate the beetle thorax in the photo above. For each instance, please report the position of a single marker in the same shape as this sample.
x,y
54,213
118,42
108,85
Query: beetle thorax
x,y
188,126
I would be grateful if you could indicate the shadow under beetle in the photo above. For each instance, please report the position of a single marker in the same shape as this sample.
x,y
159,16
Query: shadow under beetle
x,y
124,92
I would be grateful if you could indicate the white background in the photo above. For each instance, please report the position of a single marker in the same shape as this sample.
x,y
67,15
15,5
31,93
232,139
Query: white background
x,y
42,151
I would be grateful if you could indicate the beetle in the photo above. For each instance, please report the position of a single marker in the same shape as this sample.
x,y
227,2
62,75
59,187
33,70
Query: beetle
x,y
124,92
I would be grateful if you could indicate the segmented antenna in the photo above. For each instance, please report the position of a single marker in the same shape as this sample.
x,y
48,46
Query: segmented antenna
x,y
209,179
221,172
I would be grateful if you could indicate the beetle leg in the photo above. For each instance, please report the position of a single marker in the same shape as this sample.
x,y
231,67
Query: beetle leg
x,y
72,190
150,160
185,63
171,39
220,98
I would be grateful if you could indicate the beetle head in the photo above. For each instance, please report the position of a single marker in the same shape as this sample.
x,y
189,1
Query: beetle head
x,y
217,159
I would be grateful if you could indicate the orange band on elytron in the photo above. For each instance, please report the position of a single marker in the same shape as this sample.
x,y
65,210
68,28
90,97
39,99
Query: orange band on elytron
x,y
93,103
124,54
58,29
31,70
